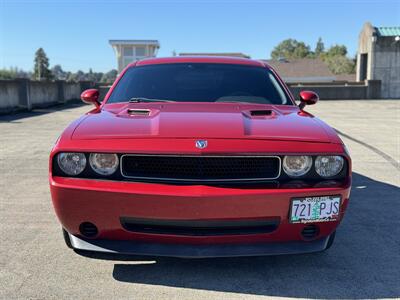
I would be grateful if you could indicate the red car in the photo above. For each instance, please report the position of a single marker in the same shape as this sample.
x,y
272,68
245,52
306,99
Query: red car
x,y
199,157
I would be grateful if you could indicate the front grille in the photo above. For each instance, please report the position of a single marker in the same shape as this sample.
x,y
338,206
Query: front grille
x,y
199,227
200,168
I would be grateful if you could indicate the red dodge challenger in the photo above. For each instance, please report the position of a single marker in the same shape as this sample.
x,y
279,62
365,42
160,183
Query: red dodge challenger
x,y
199,157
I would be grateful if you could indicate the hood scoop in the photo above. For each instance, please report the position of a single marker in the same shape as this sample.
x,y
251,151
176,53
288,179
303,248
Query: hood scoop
x,y
261,113
138,112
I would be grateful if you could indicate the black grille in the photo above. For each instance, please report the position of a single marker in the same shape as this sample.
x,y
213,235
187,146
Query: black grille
x,y
199,227
200,168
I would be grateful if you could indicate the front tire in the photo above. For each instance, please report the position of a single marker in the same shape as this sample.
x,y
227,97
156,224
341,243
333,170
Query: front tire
x,y
67,240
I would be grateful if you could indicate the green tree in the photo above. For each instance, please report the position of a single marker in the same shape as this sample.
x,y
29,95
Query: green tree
x,y
290,49
59,73
41,69
7,74
337,50
110,76
340,64
78,76
90,76
337,60
319,48
13,73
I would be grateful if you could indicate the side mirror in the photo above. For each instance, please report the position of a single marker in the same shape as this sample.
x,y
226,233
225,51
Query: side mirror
x,y
91,96
308,98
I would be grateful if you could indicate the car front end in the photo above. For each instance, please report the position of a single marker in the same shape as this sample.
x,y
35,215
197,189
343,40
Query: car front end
x,y
193,217
199,179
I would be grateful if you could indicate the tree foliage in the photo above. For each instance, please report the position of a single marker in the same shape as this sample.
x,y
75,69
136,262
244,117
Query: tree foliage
x,y
41,68
340,50
110,76
13,73
290,49
59,73
42,72
340,64
319,48
335,57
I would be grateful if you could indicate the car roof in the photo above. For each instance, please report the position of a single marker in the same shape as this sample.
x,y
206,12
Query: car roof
x,y
199,59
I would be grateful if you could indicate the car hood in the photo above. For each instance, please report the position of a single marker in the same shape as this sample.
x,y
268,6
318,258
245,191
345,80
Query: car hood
x,y
201,120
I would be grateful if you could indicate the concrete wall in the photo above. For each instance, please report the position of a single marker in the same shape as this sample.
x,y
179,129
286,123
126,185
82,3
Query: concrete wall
x,y
333,92
386,66
72,91
25,94
370,89
43,93
9,95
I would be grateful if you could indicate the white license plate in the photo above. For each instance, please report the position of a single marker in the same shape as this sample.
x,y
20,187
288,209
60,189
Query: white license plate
x,y
315,209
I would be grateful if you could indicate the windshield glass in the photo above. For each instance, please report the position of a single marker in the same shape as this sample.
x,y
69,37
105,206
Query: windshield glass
x,y
199,82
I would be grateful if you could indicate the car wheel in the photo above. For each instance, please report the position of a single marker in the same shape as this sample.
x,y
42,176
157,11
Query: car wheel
x,y
67,240
330,241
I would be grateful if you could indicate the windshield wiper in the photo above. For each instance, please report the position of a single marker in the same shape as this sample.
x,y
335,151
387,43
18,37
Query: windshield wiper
x,y
142,99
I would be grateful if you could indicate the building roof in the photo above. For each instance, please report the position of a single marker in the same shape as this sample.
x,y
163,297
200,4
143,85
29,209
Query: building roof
x,y
302,70
228,54
388,31
134,42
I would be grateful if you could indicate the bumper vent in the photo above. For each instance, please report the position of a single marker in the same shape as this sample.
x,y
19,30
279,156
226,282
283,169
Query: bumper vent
x,y
309,232
88,229
200,168
199,227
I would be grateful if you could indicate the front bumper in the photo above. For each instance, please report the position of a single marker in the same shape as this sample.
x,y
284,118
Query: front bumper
x,y
197,251
104,203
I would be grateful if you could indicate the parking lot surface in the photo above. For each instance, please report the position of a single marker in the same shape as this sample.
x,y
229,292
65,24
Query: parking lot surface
x,y
364,261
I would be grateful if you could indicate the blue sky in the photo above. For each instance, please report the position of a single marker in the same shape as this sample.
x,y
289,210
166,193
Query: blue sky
x,y
75,33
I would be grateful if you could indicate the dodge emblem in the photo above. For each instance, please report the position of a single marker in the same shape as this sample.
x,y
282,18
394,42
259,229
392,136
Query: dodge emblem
x,y
201,144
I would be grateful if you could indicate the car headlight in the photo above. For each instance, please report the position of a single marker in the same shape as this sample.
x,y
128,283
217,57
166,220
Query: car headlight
x,y
329,166
71,163
297,165
104,163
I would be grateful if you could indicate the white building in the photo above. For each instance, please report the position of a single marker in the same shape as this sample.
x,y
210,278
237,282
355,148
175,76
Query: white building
x,y
128,51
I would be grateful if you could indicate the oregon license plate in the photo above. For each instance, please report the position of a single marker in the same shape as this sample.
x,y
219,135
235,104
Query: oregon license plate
x,y
315,209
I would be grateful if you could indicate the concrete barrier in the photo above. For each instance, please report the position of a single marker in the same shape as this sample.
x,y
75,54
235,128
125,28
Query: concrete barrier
x,y
24,94
9,94
370,89
42,94
326,90
72,91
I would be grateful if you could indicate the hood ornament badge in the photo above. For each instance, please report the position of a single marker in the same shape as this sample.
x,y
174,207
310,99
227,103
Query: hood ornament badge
x,y
201,144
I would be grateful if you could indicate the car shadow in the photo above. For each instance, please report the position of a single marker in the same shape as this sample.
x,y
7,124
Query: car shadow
x,y
13,117
364,261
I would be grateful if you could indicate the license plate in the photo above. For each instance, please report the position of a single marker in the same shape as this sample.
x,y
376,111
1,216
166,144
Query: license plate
x,y
315,209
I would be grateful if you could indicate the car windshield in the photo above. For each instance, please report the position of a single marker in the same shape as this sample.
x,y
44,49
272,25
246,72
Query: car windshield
x,y
199,82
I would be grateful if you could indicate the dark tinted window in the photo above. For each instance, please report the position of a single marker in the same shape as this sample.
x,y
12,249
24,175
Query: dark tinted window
x,y
199,82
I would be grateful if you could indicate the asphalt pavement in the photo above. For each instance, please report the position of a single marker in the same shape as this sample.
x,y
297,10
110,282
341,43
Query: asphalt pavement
x,y
364,261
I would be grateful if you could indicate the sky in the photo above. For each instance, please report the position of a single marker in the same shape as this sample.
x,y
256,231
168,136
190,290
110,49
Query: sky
x,y
75,33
